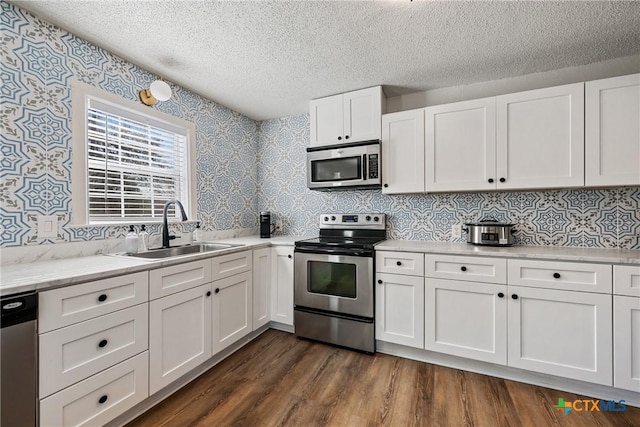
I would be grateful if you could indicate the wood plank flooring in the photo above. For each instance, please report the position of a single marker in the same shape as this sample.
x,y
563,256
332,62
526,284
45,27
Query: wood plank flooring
x,y
279,380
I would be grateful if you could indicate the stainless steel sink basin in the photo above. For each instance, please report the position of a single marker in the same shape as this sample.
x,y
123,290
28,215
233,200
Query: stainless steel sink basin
x,y
181,250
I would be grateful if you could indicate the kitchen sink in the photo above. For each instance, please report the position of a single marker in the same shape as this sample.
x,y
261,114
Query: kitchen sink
x,y
180,250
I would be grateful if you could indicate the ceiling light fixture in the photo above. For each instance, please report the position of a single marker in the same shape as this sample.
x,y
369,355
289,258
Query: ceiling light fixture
x,y
158,91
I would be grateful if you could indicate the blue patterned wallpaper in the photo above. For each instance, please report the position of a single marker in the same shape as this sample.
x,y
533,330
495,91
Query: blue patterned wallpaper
x,y
38,62
607,218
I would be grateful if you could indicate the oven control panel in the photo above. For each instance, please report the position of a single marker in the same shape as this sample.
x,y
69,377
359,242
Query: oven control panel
x,y
364,220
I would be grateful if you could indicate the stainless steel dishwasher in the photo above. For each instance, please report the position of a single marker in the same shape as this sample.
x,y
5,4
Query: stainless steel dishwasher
x,y
18,360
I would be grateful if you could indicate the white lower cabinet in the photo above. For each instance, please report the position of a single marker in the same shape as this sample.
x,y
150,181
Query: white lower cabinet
x,y
626,342
232,311
400,309
100,398
179,335
261,287
466,319
563,333
282,284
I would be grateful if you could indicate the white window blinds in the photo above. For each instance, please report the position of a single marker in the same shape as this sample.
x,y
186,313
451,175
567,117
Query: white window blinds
x,y
135,164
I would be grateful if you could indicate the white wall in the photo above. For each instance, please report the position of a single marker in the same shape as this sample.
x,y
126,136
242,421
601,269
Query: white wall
x,y
598,70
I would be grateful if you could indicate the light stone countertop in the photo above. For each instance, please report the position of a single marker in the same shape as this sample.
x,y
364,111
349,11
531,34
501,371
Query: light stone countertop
x,y
16,278
550,253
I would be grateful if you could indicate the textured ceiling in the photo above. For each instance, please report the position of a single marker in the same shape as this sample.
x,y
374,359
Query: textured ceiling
x,y
268,59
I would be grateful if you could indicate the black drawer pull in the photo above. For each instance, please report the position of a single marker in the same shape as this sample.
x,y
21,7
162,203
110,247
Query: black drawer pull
x,y
289,256
103,399
500,295
556,275
102,298
380,282
103,343
502,180
398,263
217,290
208,293
490,180
463,268
514,296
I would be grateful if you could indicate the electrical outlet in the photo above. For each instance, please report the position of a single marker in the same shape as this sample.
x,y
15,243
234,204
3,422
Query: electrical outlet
x,y
47,226
456,231
279,225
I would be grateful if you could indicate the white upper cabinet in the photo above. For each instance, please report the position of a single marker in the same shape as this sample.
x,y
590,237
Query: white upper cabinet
x,y
461,146
403,152
612,114
540,138
349,117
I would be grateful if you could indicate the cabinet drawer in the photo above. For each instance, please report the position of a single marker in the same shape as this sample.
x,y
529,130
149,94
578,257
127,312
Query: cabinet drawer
x,y
469,268
118,388
409,263
626,280
571,276
73,304
71,354
169,280
228,265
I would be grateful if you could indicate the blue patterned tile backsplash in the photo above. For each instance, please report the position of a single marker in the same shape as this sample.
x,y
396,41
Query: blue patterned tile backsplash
x,y
242,166
603,218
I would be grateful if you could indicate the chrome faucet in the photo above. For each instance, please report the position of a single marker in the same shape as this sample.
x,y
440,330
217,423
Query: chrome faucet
x,y
165,226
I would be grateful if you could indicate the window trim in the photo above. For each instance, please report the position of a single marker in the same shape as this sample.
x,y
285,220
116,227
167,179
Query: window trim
x,y
81,94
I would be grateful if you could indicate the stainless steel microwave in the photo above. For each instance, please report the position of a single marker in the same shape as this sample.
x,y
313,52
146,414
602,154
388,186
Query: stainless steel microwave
x,y
345,166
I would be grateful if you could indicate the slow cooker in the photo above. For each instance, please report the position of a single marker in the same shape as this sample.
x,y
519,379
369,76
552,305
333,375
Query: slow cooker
x,y
489,233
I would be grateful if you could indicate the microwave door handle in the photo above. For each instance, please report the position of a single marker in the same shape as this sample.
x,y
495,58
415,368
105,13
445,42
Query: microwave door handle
x,y
364,167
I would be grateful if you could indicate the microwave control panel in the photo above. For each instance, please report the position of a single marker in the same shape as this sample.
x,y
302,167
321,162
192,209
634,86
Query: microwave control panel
x,y
373,166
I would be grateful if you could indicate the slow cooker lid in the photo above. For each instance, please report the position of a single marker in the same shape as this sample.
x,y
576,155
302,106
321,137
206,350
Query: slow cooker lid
x,y
489,224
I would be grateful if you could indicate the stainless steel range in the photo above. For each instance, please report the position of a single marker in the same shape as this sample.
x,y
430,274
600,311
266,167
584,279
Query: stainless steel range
x,y
334,281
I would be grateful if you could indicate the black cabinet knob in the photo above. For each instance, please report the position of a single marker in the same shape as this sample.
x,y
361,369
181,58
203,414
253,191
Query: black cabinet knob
x,y
217,290
399,263
208,293
289,256
346,137
500,295
502,180
386,186
379,282
103,399
463,268
339,138
102,298
491,180
514,296
103,343
556,275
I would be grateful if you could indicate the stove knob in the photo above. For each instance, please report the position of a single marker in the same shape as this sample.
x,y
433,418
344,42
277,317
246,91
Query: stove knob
x,y
368,218
376,219
326,218
333,218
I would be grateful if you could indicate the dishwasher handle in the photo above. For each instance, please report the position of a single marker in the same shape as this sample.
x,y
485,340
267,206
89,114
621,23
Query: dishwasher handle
x,y
18,308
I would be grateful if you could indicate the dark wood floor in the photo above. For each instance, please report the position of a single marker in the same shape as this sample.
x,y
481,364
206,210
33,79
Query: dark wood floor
x,y
278,380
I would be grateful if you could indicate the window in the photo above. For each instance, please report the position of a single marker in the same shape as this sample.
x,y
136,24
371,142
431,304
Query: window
x,y
130,160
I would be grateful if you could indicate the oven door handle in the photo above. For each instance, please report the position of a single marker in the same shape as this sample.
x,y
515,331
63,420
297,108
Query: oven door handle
x,y
314,250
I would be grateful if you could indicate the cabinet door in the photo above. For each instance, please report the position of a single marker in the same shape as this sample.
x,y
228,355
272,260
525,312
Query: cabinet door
x,y
540,138
232,310
362,111
282,285
261,287
400,309
179,335
563,333
403,152
461,146
326,121
612,115
466,319
626,342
